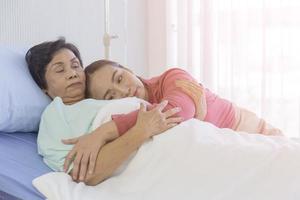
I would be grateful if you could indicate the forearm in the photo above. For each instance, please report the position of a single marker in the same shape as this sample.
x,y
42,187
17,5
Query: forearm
x,y
113,154
108,130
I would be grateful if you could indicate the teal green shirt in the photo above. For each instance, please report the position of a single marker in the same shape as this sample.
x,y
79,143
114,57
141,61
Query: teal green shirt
x,y
60,121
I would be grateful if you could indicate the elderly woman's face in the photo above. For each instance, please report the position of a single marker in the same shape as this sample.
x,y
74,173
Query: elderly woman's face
x,y
65,77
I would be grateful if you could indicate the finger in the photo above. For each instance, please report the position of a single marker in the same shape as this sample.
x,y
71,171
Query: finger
x,y
77,165
142,107
83,166
69,159
188,88
70,141
179,83
189,85
172,111
194,93
168,126
199,117
191,88
195,97
171,125
174,120
162,105
92,162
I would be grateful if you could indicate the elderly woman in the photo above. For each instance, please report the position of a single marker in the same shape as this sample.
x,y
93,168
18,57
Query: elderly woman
x,y
57,69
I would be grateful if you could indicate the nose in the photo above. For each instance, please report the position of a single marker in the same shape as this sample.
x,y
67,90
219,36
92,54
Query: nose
x,y
72,74
121,91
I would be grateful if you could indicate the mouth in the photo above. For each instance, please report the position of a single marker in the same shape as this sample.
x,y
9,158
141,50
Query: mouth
x,y
76,84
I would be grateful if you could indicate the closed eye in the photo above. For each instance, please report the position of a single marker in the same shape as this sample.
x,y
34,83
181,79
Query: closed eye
x,y
59,69
75,66
120,78
110,97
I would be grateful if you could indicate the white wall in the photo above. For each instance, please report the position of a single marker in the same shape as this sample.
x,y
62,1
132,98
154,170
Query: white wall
x,y
157,37
82,23
137,36
128,21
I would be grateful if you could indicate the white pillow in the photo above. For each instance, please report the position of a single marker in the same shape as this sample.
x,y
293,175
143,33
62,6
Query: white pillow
x,y
22,101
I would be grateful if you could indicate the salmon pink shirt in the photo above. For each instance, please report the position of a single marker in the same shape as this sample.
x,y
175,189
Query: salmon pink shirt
x,y
220,112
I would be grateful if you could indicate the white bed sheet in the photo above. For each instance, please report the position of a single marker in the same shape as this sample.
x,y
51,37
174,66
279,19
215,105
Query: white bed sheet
x,y
195,160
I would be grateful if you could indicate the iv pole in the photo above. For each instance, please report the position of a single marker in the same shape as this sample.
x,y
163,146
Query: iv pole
x,y
107,37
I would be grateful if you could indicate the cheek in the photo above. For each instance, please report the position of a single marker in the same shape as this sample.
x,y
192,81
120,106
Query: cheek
x,y
96,91
82,76
56,87
132,80
97,86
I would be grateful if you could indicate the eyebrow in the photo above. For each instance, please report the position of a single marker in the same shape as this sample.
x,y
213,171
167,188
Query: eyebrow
x,y
74,59
112,80
57,63
61,63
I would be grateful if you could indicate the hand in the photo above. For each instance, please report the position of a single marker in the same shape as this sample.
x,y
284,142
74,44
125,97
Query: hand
x,y
85,151
155,121
196,92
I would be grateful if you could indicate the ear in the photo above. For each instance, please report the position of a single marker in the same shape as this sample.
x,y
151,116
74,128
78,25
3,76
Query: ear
x,y
45,91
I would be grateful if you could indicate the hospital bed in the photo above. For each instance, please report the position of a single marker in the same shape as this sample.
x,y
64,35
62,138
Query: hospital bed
x,y
20,164
192,161
21,104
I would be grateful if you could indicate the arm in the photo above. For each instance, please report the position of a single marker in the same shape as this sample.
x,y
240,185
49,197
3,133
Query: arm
x,y
176,95
124,146
113,154
196,92
173,90
86,148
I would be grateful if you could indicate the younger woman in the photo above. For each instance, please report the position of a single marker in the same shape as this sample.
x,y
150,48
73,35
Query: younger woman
x,y
110,80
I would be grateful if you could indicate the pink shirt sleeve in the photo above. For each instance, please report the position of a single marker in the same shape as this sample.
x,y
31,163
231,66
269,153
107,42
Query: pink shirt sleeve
x,y
125,121
167,90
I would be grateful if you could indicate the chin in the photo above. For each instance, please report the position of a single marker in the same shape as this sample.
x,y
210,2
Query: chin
x,y
77,94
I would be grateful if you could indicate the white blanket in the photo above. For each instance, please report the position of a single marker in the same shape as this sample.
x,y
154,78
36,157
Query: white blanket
x,y
195,160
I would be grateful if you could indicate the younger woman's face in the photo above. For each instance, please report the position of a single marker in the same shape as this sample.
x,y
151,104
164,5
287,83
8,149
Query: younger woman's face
x,y
111,82
65,77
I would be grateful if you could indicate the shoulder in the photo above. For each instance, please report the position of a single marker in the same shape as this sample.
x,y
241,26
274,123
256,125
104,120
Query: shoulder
x,y
175,71
174,74
52,107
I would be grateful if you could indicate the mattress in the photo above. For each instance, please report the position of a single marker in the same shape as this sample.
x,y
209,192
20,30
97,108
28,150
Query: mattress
x,y
19,165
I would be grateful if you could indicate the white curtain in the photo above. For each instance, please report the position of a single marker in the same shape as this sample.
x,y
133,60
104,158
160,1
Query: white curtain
x,y
247,51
